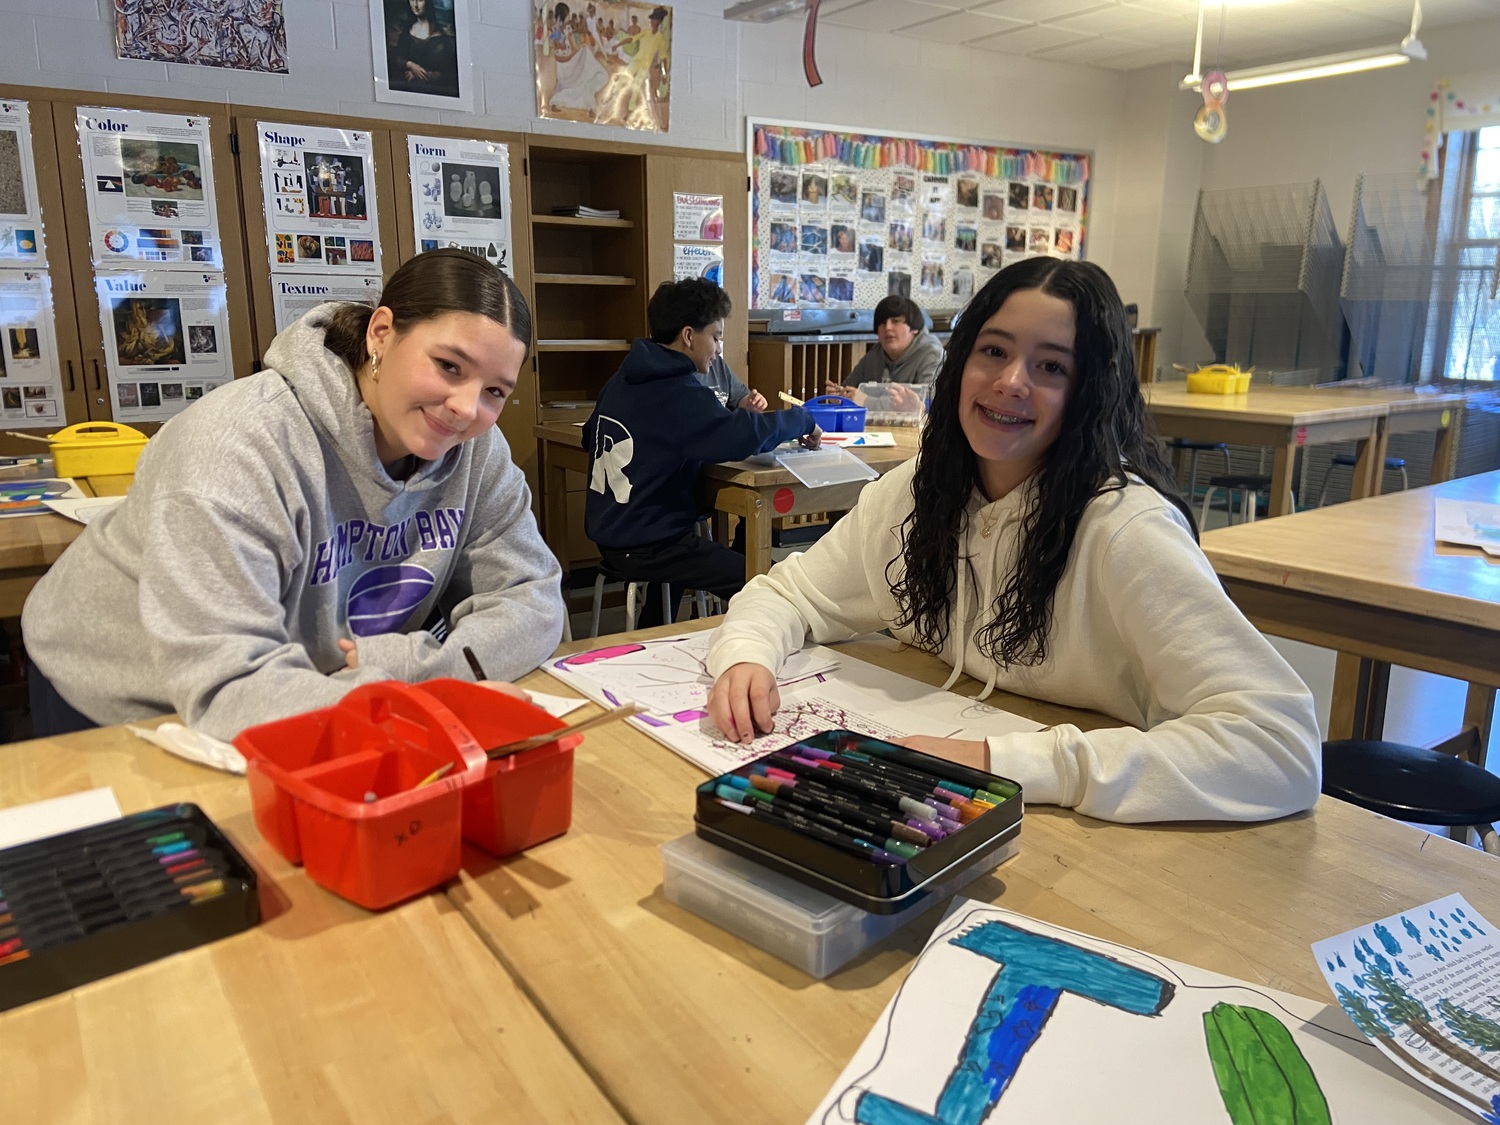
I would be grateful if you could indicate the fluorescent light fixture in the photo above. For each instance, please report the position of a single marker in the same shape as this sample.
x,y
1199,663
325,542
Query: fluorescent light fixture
x,y
1322,66
764,11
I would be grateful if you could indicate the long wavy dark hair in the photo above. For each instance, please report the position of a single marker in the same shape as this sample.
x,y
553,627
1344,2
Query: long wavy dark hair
x,y
1105,435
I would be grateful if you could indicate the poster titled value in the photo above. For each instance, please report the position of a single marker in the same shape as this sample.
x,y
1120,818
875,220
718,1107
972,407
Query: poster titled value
x,y
460,196
149,182
318,187
166,341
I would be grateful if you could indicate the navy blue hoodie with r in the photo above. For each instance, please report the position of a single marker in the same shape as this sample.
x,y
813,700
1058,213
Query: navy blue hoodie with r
x,y
652,429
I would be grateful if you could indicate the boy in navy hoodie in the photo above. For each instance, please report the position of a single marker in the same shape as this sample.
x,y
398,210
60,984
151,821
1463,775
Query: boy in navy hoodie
x,y
653,427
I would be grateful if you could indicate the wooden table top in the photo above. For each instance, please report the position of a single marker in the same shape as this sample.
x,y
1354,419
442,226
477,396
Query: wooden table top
x,y
1379,551
37,541
681,1021
324,1012
1280,406
757,475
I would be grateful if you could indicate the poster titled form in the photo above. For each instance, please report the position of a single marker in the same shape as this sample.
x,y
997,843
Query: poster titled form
x,y
460,196
21,241
30,374
319,191
166,341
150,187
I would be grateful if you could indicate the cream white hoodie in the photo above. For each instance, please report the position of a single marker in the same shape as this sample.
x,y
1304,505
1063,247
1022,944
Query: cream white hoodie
x,y
1221,728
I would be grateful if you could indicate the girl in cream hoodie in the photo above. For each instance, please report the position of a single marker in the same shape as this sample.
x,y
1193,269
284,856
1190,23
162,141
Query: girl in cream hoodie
x,y
1037,544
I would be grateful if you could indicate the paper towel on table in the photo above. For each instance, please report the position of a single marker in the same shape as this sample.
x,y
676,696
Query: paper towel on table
x,y
193,745
555,705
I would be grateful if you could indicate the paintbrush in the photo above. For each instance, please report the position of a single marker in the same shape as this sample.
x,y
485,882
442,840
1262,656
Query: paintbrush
x,y
28,437
545,737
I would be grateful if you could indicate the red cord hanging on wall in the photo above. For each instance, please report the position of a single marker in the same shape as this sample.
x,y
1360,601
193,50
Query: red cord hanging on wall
x,y
809,42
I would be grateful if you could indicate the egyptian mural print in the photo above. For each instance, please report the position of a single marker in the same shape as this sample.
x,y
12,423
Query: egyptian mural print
x,y
604,63
237,34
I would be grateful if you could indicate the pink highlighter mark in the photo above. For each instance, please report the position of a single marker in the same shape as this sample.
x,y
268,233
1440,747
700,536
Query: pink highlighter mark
x,y
689,716
650,720
598,654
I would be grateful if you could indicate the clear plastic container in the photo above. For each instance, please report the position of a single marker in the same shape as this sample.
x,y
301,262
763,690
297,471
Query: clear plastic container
x,y
805,927
895,404
819,467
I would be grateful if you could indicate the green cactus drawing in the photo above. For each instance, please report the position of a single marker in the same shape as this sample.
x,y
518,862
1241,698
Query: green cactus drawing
x,y
1262,1075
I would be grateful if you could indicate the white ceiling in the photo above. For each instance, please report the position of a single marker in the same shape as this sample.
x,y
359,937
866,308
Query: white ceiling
x,y
1130,34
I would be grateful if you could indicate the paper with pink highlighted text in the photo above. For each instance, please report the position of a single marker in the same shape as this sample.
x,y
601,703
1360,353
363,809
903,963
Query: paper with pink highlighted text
x,y
821,689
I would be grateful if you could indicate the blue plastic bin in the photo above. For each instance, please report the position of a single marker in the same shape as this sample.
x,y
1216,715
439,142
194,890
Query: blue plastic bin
x,y
835,414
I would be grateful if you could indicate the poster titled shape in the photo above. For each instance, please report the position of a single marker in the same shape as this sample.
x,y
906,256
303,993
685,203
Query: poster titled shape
x,y
1424,985
460,196
148,178
318,186
166,341
292,295
21,238
1007,1018
30,371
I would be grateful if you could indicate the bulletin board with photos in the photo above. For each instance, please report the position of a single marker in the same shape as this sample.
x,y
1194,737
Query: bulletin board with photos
x,y
841,218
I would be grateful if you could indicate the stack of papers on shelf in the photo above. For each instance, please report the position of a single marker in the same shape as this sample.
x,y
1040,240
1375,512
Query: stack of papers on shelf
x,y
582,212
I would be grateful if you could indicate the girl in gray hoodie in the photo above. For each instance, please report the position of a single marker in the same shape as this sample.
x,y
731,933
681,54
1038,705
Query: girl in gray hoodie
x,y
349,514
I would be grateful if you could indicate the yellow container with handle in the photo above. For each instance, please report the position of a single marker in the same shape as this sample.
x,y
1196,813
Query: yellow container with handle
x,y
96,449
1218,379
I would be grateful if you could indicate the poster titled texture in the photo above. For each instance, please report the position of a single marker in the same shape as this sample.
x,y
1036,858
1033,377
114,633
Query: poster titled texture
x,y
605,63
238,34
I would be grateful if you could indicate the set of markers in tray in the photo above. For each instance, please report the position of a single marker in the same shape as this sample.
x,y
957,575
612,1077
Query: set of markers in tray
x,y
869,821
102,899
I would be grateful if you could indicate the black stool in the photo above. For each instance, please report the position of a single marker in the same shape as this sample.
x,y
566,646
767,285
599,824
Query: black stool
x,y
1412,784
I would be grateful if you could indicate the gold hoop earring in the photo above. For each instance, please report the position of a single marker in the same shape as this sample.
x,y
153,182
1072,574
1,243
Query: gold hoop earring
x,y
374,368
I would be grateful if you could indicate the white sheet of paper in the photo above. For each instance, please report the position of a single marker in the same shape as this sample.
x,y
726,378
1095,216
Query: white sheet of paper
x,y
1424,986
40,819
1115,1035
84,508
1469,524
872,439
556,705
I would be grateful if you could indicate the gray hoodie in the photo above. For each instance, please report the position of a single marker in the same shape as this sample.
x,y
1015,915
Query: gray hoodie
x,y
260,529
919,363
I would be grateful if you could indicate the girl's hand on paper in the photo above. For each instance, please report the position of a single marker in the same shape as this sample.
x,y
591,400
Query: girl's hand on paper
x,y
966,752
744,701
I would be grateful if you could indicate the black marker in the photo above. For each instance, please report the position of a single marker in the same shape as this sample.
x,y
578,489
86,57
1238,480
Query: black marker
x,y
474,664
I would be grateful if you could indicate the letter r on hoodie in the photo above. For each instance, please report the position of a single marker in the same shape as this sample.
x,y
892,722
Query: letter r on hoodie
x,y
613,448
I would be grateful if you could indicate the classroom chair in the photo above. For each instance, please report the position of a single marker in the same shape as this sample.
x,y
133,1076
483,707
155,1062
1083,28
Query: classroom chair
x,y
1348,461
634,592
1249,485
1416,785
1192,449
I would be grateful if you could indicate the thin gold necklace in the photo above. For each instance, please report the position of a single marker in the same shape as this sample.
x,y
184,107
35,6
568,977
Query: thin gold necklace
x,y
987,523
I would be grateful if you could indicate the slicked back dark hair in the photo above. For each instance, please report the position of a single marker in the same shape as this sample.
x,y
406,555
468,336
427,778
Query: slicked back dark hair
x,y
426,287
1105,435
694,302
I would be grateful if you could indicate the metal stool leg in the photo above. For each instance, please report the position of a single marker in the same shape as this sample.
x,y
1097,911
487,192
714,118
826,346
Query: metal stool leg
x,y
1251,499
1323,491
1208,498
1405,480
668,610
702,604
567,622
598,604
1192,473
1488,840
632,593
